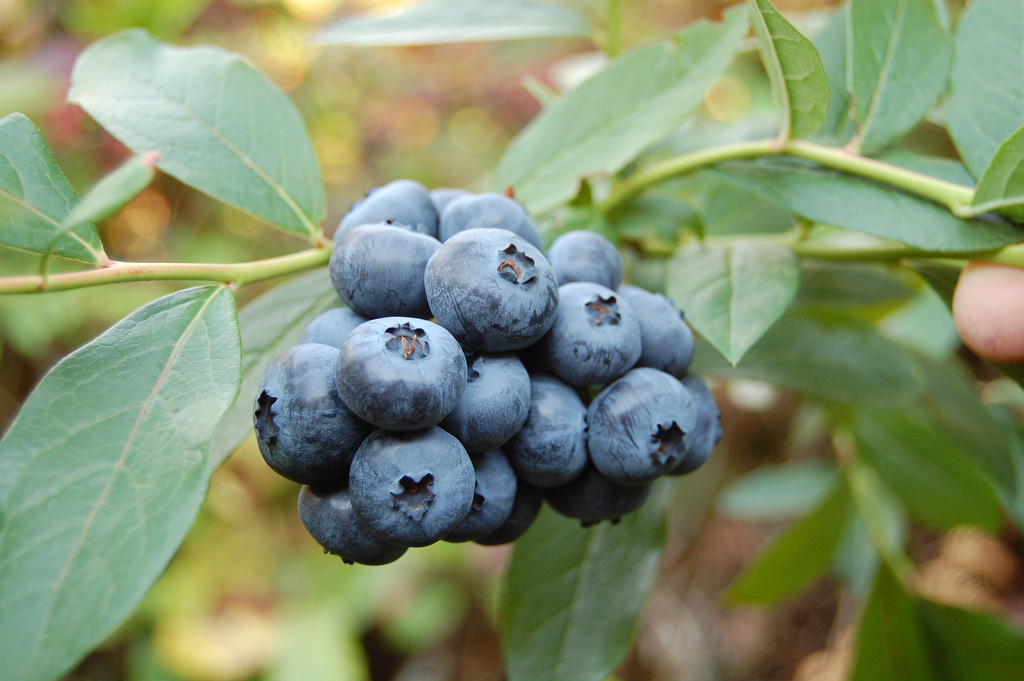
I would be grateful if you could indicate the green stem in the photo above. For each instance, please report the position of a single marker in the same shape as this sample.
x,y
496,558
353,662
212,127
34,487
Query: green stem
x,y
235,274
612,29
954,196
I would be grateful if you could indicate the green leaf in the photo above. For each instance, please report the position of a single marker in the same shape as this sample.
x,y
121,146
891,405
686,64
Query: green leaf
x,y
794,68
35,197
881,513
830,44
824,285
220,126
732,295
942,277
270,325
726,208
898,61
985,104
457,21
798,555
573,595
1001,187
835,199
604,123
103,472
653,221
861,366
890,645
776,491
970,645
931,475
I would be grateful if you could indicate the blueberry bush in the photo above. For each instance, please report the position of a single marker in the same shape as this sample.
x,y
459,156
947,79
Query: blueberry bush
x,y
815,249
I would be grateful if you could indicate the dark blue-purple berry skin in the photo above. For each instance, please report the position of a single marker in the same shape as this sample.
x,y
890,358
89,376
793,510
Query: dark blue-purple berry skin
x,y
326,513
332,327
699,442
442,196
585,256
403,202
492,289
401,373
637,426
551,447
595,337
378,270
487,211
412,489
591,498
495,403
666,339
525,508
303,428
493,497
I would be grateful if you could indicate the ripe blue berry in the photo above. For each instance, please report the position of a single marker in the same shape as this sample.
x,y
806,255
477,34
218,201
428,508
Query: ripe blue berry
x,y
442,196
332,327
378,270
401,373
665,337
303,428
551,447
403,202
529,499
595,337
326,513
591,498
494,405
493,497
412,489
492,289
585,256
487,211
700,441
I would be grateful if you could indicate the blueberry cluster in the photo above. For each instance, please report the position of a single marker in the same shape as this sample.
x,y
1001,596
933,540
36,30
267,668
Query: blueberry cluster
x,y
406,431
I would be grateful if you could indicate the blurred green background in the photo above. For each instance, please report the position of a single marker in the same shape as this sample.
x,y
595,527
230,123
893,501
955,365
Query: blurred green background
x,y
249,595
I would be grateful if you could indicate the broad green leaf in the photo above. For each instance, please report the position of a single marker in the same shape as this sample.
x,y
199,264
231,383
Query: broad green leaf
x,y
798,555
970,645
899,57
831,47
776,491
794,68
573,595
457,21
936,166
923,323
835,199
841,361
732,295
942,277
890,644
219,125
604,123
35,197
103,472
881,513
985,104
932,476
825,285
1001,187
653,221
726,208
270,325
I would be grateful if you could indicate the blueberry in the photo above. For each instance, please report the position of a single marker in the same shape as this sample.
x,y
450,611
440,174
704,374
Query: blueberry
x,y
303,428
595,337
493,497
487,211
494,405
326,513
529,499
401,373
585,256
492,289
551,447
412,489
404,202
332,327
666,339
700,441
592,498
442,196
637,425
378,270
